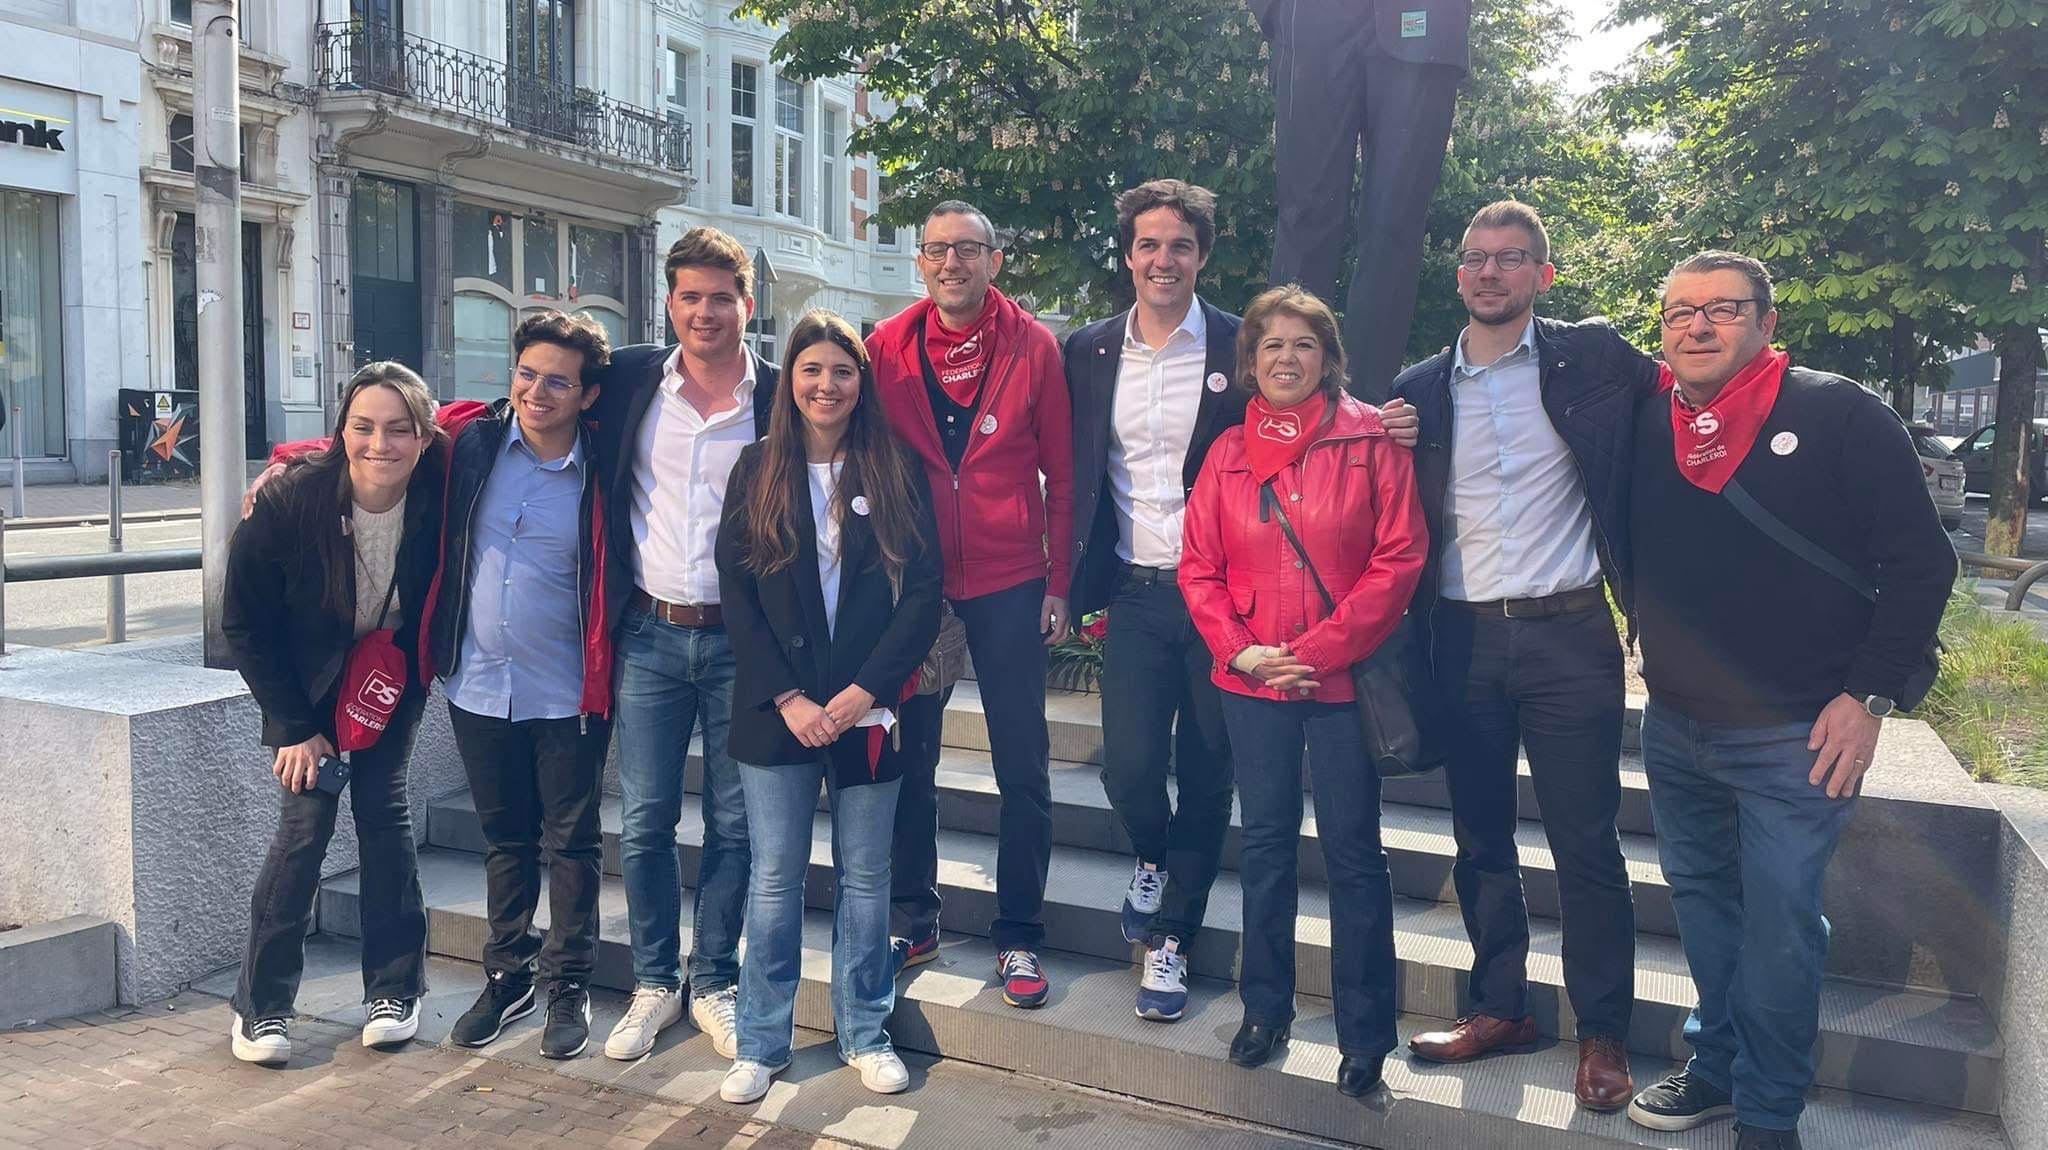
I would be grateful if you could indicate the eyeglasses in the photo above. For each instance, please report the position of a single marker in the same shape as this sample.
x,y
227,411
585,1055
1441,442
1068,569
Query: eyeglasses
x,y
1506,259
1718,312
968,250
555,383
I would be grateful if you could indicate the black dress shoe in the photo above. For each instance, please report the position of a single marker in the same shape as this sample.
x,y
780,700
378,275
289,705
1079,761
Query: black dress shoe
x,y
1255,1044
1358,1073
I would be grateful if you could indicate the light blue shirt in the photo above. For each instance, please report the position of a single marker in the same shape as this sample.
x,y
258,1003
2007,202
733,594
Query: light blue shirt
x,y
1515,512
522,651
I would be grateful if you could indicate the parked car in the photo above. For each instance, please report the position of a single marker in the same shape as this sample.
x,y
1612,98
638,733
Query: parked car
x,y
1944,474
1975,453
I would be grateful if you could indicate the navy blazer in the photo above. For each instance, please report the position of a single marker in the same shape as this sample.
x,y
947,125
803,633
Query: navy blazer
x,y
1094,355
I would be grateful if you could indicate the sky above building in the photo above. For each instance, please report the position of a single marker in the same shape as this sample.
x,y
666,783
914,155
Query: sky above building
x,y
1597,49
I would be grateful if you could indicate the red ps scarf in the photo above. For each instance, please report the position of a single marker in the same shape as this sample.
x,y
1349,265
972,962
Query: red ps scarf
x,y
960,358
1712,441
1273,439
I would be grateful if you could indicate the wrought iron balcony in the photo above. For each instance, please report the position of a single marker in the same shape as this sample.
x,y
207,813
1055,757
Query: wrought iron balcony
x,y
362,56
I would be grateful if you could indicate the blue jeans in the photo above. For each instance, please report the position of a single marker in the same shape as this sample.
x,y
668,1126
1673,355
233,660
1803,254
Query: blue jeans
x,y
668,676
1745,841
1266,738
781,803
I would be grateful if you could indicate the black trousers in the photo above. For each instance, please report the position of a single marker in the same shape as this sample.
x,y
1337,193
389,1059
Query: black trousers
x,y
393,915
535,786
1155,669
1553,686
1009,667
1333,94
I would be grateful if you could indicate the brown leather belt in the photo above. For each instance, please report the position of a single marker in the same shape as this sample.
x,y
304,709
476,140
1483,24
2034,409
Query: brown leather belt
x,y
1583,599
678,614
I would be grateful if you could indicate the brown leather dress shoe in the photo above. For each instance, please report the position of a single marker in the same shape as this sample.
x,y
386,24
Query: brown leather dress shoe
x,y
1603,1083
1473,1036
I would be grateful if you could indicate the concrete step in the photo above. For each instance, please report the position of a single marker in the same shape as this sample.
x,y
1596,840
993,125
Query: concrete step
x,y
1074,723
1900,1044
1088,1036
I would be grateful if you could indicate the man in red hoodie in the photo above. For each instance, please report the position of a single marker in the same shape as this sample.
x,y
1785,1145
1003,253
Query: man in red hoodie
x,y
973,384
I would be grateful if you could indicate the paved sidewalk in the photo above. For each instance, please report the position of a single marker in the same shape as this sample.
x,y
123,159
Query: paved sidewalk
x,y
161,1076
76,501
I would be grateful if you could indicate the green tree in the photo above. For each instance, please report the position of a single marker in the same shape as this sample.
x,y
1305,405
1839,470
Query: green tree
x,y
1887,159
1041,111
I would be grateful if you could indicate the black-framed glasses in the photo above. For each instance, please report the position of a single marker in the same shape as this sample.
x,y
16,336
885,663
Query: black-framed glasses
x,y
1506,259
966,249
1719,312
560,385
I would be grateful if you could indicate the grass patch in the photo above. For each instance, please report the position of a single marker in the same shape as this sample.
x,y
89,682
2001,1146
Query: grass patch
x,y
1990,702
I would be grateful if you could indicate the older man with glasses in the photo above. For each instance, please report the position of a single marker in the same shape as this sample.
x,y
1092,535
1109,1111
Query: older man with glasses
x,y
1526,435
973,384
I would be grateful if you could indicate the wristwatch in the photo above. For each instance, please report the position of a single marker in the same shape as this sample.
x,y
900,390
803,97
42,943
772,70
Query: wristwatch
x,y
1878,706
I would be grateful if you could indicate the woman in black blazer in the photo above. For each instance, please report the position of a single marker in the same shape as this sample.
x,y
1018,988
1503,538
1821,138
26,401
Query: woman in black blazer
x,y
344,543
830,578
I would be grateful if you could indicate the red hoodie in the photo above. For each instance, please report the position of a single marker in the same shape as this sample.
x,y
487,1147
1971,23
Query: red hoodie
x,y
994,517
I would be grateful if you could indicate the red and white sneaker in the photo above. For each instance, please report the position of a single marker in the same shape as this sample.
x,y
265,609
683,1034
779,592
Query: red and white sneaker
x,y
1024,982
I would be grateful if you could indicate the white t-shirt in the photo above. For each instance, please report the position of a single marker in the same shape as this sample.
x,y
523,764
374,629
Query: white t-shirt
x,y
824,481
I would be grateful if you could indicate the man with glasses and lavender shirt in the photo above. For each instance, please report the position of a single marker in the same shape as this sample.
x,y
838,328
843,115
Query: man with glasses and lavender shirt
x,y
1527,428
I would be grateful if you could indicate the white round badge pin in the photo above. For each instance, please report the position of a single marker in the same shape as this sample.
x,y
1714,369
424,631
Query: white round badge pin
x,y
1784,443
859,505
1217,382
988,425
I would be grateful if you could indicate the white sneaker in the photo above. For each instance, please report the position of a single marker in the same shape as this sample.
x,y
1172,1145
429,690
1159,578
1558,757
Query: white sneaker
x,y
748,1081
392,1021
1141,901
715,1015
880,1071
263,1040
654,1009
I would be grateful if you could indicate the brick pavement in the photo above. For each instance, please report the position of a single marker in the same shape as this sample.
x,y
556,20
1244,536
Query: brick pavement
x,y
161,1077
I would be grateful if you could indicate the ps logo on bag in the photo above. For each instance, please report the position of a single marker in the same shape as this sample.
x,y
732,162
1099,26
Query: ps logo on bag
x,y
379,692
1217,382
1784,443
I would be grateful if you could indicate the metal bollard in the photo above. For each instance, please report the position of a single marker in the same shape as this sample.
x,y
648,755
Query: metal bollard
x,y
3,584
117,589
20,468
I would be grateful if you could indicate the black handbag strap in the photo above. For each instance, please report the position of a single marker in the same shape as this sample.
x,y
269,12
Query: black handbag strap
x,y
1791,540
1272,504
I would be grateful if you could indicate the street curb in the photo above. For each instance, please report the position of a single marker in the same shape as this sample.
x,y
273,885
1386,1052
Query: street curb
x,y
128,517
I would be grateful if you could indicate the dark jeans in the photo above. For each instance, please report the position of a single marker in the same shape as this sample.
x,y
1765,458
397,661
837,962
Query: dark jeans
x,y
392,912
1745,842
1009,666
1268,738
535,787
1156,667
1553,686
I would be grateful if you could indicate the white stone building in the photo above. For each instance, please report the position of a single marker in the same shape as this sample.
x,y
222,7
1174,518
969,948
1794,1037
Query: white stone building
x,y
416,175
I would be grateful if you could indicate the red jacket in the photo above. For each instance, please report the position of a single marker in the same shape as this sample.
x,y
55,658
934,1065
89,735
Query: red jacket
x,y
994,518
1352,499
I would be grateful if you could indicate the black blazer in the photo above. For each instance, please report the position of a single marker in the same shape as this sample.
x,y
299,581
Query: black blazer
x,y
1093,356
780,642
288,647
629,383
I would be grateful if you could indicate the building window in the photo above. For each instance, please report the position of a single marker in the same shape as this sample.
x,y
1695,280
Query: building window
x,y
541,275
508,267
678,84
540,37
483,346
180,145
597,262
789,147
761,329
745,86
384,231
31,331
830,213
885,234
483,244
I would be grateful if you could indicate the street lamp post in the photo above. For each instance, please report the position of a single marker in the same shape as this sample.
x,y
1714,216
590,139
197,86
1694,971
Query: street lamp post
x,y
217,250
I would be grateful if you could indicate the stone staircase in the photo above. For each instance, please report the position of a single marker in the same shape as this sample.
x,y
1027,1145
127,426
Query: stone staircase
x,y
1900,1066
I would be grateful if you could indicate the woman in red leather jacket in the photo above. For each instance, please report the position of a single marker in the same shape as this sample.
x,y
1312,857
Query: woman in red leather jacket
x,y
1283,659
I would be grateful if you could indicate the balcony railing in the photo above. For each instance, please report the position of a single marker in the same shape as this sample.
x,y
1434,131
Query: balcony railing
x,y
361,56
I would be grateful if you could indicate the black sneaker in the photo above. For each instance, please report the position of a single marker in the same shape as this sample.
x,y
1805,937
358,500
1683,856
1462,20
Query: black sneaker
x,y
568,1027
1682,1102
1747,1138
506,998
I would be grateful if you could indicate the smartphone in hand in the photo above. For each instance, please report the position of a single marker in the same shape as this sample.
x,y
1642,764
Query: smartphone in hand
x,y
333,775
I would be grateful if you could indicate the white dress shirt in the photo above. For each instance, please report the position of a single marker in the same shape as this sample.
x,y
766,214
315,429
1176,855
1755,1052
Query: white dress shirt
x,y
1515,510
1158,391
681,462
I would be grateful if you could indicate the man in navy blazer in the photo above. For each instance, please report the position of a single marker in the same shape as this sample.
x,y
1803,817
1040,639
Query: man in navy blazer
x,y
1151,391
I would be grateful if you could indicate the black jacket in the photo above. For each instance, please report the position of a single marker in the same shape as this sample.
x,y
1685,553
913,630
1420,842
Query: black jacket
x,y
780,642
288,646
1592,379
1738,629
1093,356
479,444
629,384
